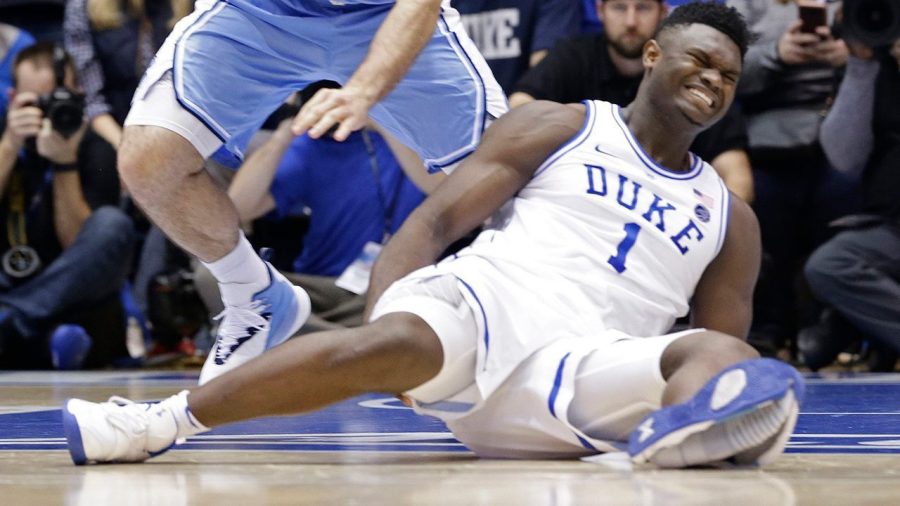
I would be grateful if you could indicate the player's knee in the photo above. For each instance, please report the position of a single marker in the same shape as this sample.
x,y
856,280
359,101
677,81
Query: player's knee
x,y
399,352
711,349
152,158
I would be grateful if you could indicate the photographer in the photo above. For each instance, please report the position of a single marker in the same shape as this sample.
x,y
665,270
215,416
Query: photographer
x,y
64,248
858,271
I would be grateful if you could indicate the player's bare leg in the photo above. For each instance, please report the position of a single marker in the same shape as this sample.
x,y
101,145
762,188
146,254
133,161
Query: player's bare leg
x,y
165,175
396,353
688,363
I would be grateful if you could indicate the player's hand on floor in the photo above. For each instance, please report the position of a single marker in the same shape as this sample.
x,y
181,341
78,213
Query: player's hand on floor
x,y
344,109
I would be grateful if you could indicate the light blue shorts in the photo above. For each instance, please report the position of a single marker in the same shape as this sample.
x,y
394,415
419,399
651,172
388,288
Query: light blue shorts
x,y
233,63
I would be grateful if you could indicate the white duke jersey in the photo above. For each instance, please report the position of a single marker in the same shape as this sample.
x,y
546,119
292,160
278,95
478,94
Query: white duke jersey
x,y
601,238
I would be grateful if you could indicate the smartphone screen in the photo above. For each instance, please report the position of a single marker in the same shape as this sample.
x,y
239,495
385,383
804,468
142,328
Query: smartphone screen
x,y
813,16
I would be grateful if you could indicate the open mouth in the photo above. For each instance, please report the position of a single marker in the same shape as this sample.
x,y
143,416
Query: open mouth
x,y
706,97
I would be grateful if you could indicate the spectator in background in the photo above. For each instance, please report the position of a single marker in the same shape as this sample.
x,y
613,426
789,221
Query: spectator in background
x,y
65,248
112,42
857,272
12,40
787,85
357,197
590,22
607,66
514,35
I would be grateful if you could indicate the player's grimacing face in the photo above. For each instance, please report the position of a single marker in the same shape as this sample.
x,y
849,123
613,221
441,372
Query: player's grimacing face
x,y
628,24
699,70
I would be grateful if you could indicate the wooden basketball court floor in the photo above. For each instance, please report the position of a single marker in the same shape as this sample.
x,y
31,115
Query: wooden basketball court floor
x,y
372,450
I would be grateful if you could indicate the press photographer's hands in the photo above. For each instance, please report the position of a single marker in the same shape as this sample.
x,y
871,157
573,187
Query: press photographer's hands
x,y
56,148
25,120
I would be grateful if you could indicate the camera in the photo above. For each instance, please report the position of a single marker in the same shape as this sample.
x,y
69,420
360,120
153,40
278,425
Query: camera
x,y
875,23
65,110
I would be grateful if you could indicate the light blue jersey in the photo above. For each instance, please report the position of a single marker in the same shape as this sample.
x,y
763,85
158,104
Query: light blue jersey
x,y
235,62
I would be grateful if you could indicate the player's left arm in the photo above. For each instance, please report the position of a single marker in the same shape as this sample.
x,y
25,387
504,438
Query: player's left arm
x,y
404,32
723,300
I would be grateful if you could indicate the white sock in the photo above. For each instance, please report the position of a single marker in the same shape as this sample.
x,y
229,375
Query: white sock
x,y
240,273
187,423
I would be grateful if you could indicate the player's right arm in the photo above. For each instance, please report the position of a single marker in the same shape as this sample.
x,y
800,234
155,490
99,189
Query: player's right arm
x,y
511,150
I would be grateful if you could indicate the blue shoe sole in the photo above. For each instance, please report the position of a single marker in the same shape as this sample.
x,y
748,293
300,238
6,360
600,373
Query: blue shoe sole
x,y
766,380
73,436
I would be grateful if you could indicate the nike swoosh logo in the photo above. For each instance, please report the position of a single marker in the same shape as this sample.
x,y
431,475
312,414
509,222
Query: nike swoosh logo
x,y
607,153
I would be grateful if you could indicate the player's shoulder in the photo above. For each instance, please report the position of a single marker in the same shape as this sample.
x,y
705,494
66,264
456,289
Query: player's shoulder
x,y
743,226
541,114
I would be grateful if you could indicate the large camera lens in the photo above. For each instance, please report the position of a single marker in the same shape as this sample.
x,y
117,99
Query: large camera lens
x,y
875,23
65,109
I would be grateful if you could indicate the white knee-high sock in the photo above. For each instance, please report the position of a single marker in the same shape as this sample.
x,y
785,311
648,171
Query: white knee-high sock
x,y
240,273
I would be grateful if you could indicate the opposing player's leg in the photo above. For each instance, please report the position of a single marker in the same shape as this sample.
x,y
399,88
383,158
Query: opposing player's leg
x,y
203,97
720,402
396,353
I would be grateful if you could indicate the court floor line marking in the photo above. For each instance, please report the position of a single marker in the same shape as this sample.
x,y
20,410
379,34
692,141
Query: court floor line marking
x,y
846,435
895,413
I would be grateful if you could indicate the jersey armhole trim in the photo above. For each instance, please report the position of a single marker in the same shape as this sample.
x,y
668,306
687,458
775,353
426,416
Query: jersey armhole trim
x,y
574,142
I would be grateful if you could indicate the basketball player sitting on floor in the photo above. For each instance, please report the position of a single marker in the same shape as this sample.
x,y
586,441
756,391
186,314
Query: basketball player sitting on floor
x,y
544,338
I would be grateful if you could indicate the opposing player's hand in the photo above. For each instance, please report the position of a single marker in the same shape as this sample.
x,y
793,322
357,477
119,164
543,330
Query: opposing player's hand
x,y
344,108
23,119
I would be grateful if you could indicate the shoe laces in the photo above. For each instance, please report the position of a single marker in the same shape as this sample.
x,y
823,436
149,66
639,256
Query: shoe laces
x,y
127,415
239,323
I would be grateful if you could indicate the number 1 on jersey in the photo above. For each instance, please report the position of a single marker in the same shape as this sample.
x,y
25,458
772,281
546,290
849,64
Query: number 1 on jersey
x,y
631,233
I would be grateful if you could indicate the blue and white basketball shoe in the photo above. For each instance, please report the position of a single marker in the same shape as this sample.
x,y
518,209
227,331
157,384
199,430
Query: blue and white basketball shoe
x,y
245,332
744,415
120,430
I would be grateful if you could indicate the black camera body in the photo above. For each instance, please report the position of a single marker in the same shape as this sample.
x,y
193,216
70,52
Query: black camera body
x,y
875,23
65,110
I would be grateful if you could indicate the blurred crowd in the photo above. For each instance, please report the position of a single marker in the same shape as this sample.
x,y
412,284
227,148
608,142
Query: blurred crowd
x,y
812,142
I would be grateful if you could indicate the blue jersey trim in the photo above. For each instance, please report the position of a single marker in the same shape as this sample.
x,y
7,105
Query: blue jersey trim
x,y
724,217
436,165
176,74
647,160
551,401
575,141
585,443
487,334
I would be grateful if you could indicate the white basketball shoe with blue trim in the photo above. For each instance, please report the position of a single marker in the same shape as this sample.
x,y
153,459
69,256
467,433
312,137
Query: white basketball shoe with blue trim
x,y
744,415
120,430
245,332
